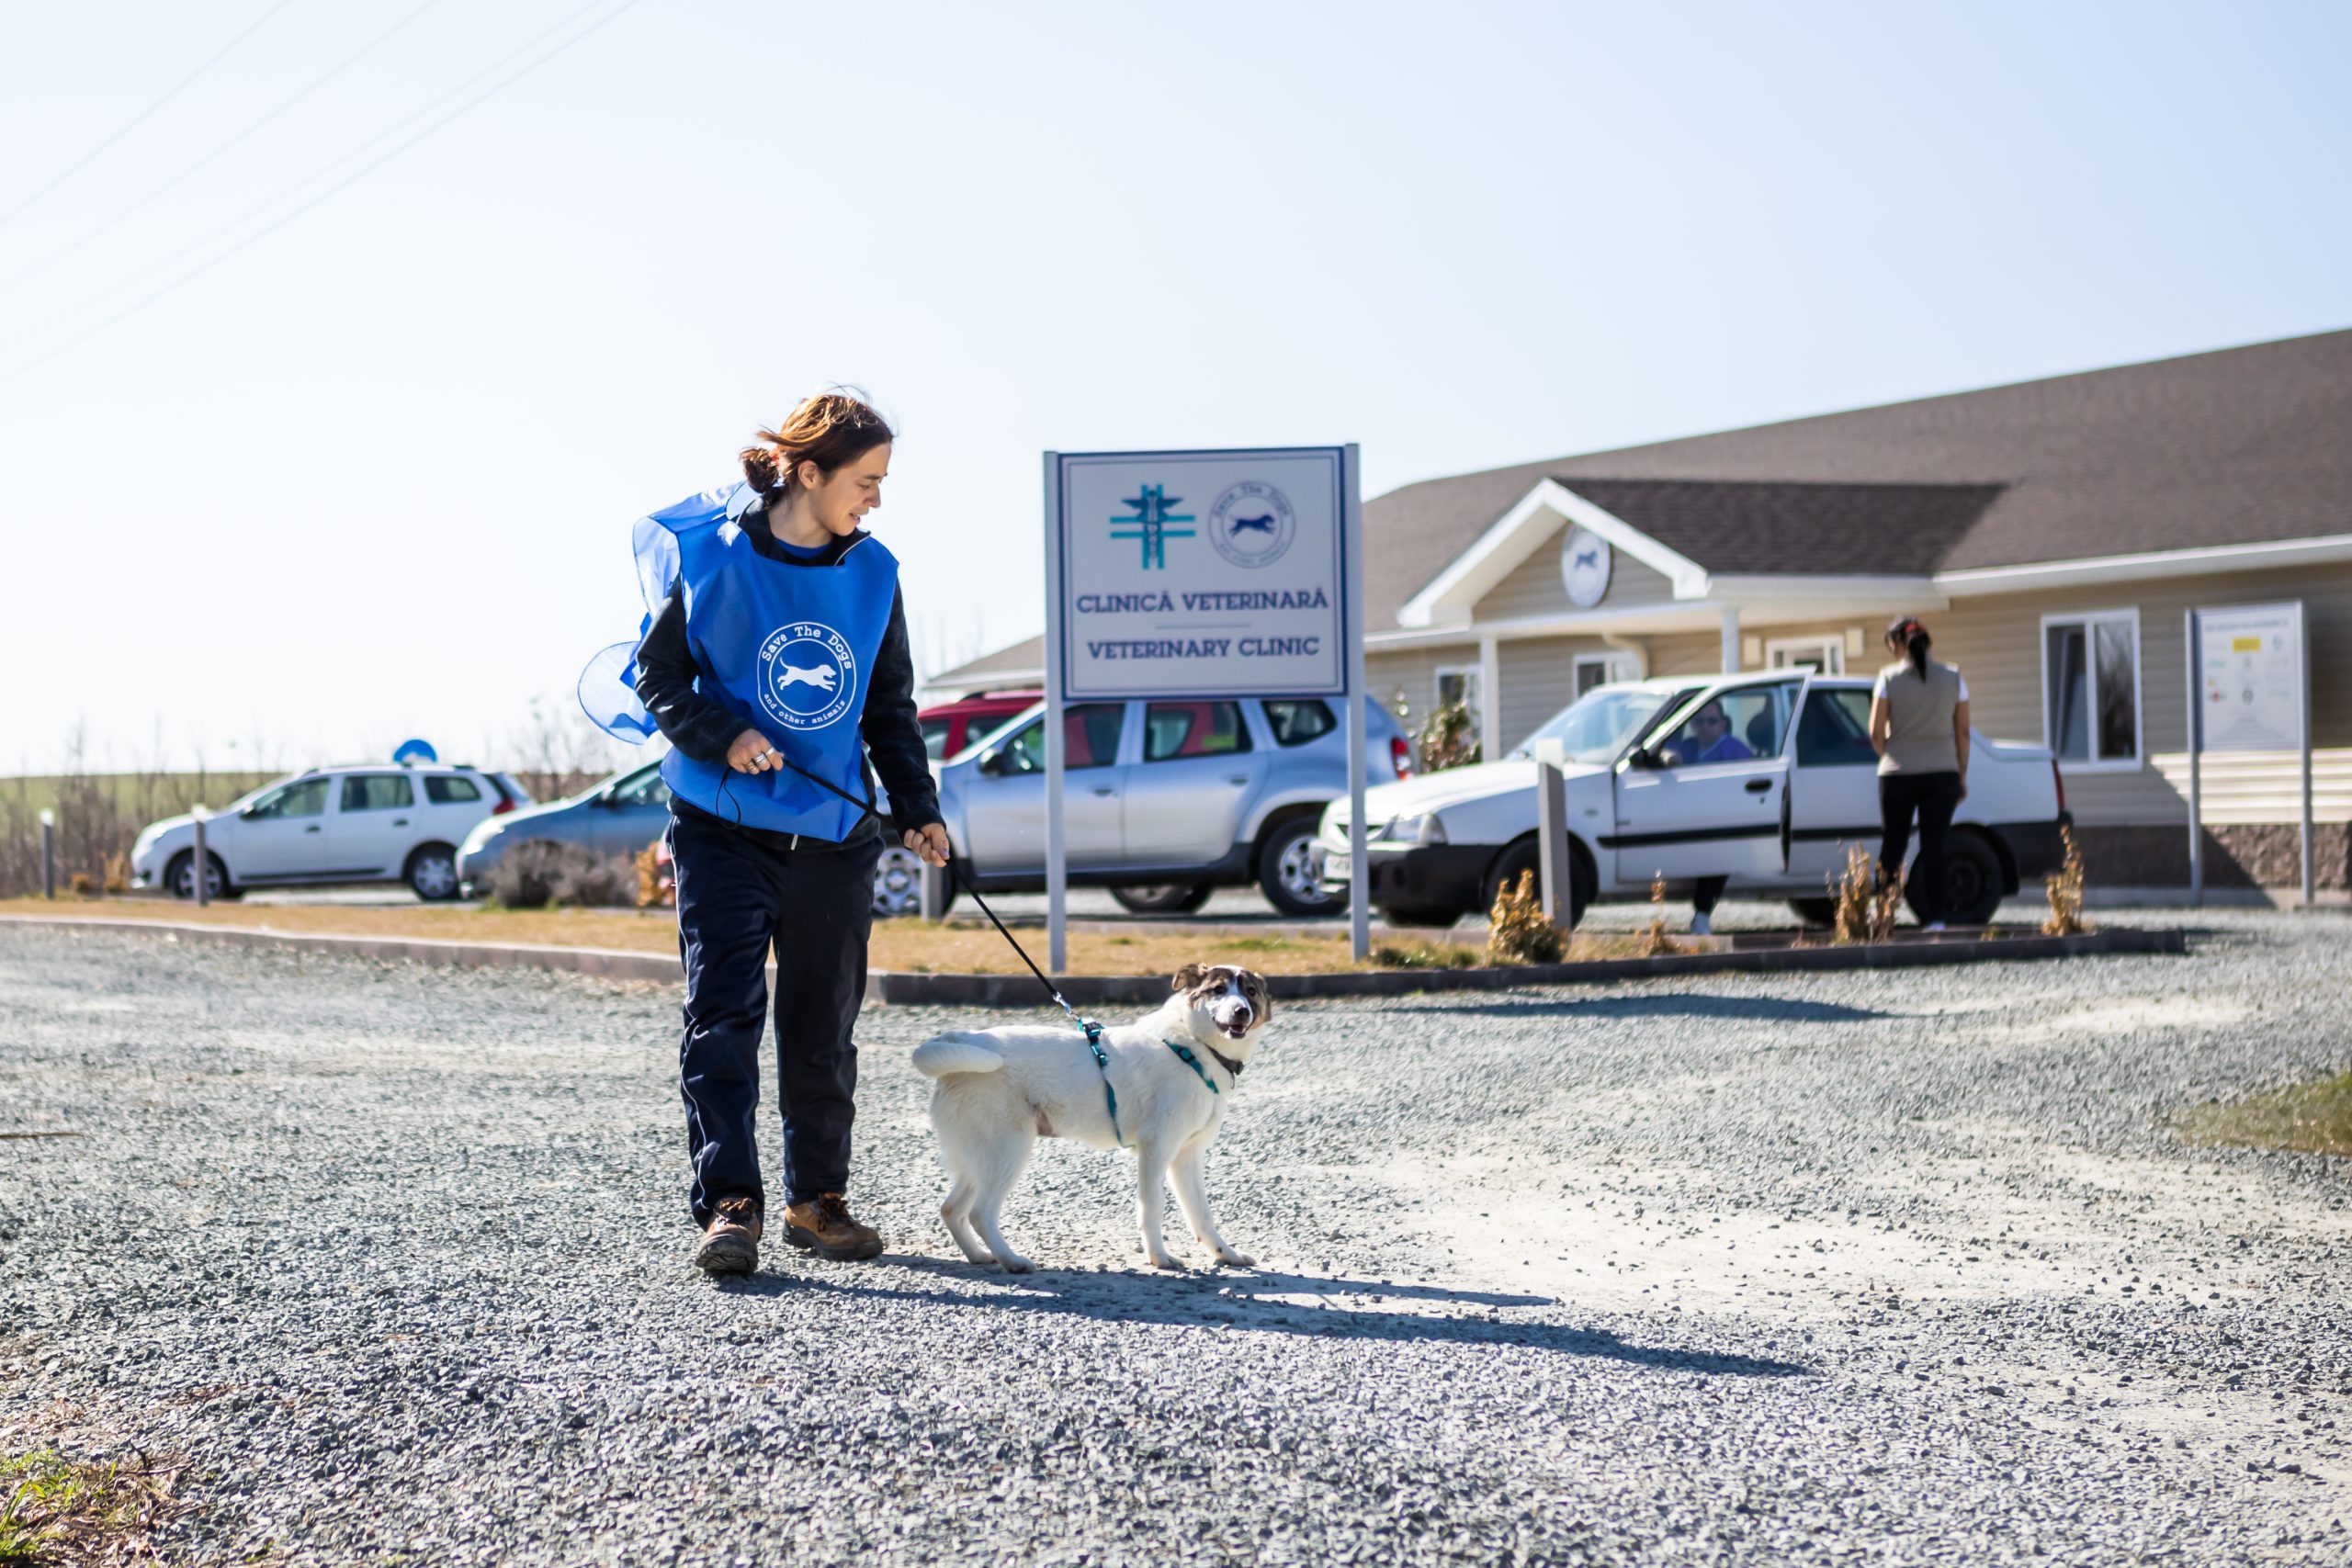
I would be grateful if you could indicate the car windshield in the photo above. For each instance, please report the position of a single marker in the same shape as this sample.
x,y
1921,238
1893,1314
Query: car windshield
x,y
252,796
1596,726
984,732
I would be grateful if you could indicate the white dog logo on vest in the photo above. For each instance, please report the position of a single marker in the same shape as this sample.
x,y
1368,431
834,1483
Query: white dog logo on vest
x,y
808,676
821,676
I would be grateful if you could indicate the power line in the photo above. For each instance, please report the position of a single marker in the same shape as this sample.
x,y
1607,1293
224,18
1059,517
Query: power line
x,y
281,221
147,200
135,122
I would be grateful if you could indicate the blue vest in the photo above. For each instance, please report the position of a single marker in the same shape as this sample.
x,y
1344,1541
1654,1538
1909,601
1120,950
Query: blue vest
x,y
788,649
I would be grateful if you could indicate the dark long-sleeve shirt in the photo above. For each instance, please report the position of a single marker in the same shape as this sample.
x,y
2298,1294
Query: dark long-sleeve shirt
x,y
704,728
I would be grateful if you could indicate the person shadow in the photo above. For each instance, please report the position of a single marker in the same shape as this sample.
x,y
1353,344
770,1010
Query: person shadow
x,y
1254,1301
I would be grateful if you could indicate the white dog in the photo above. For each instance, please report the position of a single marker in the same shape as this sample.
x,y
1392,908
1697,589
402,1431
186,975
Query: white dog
x,y
1000,1088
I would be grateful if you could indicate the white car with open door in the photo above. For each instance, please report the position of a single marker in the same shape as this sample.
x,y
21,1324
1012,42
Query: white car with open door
x,y
1765,779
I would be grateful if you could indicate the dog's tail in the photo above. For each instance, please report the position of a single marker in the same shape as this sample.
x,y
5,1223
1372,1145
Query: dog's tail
x,y
945,1053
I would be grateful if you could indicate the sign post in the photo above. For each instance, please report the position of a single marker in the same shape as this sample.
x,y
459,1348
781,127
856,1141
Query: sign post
x,y
2249,691
1191,575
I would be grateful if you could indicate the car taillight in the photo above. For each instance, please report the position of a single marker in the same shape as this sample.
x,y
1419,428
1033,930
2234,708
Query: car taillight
x,y
2059,779
1400,756
506,797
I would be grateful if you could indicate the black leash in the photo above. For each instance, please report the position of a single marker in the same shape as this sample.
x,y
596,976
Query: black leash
x,y
1086,1026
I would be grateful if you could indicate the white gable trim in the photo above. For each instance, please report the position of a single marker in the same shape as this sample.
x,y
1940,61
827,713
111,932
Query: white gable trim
x,y
1519,534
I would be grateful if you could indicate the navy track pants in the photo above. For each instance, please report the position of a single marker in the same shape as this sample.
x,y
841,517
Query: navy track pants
x,y
739,898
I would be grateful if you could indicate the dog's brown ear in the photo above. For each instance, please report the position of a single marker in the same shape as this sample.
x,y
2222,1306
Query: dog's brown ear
x,y
1259,994
1189,976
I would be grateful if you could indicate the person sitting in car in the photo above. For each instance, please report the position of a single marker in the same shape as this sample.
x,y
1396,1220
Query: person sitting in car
x,y
1706,736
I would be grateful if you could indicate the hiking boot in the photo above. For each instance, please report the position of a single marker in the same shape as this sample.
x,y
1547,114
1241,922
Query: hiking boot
x,y
731,1243
823,1226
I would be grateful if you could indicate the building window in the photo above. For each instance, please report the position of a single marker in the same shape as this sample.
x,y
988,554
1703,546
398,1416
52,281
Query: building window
x,y
2090,688
1590,670
1822,655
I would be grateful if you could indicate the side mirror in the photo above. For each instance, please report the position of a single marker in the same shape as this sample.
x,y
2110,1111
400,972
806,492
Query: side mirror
x,y
1644,759
250,812
990,763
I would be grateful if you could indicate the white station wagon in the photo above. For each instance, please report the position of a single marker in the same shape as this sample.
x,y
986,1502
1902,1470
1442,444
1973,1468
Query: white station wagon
x,y
371,823
1774,812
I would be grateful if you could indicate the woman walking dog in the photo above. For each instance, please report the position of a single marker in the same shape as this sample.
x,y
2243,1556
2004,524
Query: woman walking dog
x,y
1919,725
781,645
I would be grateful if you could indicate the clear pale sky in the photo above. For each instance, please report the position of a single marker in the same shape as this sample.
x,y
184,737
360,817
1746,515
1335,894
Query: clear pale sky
x,y
372,474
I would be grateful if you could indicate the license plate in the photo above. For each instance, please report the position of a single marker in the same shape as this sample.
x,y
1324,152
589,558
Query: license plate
x,y
1335,865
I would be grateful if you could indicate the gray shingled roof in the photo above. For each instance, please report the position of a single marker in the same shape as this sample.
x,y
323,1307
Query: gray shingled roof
x,y
2237,446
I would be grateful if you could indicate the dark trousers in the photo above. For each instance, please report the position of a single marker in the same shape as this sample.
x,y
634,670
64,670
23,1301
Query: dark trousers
x,y
739,898
1934,796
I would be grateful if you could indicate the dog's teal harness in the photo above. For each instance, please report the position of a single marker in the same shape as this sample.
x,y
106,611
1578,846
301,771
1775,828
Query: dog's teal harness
x,y
1094,1032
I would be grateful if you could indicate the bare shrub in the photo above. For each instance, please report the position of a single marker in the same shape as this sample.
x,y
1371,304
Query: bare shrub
x,y
652,888
1517,929
540,871
1446,740
1865,906
2065,887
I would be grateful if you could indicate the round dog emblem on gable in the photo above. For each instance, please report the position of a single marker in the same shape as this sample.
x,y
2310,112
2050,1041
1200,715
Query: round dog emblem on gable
x,y
807,675
1584,567
1251,524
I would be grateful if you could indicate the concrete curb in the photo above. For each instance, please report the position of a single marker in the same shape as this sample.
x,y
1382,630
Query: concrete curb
x,y
904,990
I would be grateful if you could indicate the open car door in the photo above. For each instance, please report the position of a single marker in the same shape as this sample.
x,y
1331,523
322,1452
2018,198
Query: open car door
x,y
1833,784
1701,795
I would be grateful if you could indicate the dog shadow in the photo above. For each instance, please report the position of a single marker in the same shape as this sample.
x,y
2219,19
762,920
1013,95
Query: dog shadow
x,y
1259,1301
1672,1004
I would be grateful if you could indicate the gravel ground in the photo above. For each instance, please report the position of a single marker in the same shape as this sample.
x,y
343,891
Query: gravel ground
x,y
1898,1267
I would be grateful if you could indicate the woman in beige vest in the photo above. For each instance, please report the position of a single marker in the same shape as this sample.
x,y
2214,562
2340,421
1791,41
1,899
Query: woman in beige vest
x,y
1919,724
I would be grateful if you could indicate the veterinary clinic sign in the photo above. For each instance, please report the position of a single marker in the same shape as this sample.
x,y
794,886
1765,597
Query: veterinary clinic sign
x,y
1204,573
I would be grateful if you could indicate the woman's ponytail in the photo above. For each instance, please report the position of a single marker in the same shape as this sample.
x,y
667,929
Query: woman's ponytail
x,y
1910,634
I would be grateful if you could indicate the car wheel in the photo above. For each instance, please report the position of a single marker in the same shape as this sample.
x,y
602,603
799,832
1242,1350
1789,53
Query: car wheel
x,y
1163,898
1972,881
1526,855
1290,872
177,877
1418,917
432,873
897,883
1815,911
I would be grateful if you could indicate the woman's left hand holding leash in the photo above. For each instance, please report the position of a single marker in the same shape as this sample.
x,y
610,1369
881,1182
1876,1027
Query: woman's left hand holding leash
x,y
750,754
929,841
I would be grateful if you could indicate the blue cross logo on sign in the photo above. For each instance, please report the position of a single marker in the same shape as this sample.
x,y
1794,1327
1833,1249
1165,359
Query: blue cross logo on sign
x,y
1150,523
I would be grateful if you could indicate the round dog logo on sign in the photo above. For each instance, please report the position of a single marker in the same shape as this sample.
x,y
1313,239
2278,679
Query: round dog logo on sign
x,y
807,675
1251,524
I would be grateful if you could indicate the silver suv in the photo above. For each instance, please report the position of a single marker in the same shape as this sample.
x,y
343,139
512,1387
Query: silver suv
x,y
366,823
1163,802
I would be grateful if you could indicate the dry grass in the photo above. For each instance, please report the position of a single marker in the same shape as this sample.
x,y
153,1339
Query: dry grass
x,y
62,1511
1518,931
2065,887
2314,1118
1865,908
965,947
1654,942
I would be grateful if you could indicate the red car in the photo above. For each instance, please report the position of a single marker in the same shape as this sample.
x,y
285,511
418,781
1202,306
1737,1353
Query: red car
x,y
951,726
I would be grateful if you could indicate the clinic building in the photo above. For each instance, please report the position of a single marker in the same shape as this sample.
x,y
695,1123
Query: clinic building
x,y
2052,534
